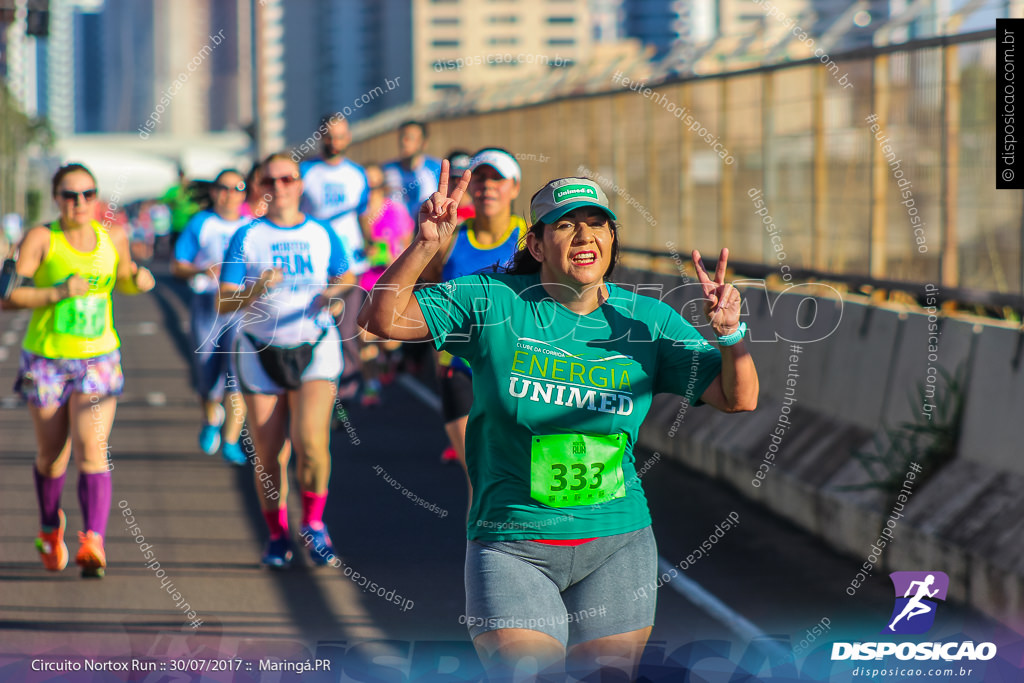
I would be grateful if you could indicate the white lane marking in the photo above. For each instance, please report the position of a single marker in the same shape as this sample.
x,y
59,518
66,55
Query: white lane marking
x,y
721,612
9,338
147,328
3,353
420,391
156,398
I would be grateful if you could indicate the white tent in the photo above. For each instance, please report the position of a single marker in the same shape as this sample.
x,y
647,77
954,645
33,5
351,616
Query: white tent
x,y
128,168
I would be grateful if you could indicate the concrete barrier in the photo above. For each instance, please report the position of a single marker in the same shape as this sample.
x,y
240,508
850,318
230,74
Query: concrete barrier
x,y
995,401
808,323
855,383
910,370
858,370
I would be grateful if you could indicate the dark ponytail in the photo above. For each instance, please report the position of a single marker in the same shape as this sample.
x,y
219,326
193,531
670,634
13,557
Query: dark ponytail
x,y
522,262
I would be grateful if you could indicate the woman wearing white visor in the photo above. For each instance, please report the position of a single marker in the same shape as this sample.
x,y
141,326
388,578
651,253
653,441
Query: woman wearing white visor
x,y
480,244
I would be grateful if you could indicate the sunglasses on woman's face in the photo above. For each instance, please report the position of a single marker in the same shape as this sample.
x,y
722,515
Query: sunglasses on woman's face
x,y
72,196
240,187
285,180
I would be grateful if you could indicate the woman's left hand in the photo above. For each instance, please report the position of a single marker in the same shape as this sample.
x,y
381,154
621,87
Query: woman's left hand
x,y
721,300
144,279
334,306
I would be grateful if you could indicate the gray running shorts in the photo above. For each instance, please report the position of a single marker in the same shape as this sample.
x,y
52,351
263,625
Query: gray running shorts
x,y
571,593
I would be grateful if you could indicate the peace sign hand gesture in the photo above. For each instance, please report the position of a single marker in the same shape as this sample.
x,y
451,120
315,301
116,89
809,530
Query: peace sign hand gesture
x,y
438,214
721,301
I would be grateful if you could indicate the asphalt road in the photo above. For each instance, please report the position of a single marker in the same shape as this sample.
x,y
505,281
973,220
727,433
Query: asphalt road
x,y
201,519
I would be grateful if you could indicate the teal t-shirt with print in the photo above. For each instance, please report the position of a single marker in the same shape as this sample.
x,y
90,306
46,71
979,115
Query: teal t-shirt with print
x,y
559,399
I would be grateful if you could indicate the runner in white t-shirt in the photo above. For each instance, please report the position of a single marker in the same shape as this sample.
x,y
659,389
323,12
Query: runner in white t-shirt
x,y
197,256
285,271
336,192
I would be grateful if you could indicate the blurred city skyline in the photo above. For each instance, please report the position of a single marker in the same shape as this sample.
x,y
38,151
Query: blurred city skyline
x,y
138,87
105,65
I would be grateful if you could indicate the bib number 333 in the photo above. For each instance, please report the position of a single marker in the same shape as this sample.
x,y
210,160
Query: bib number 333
x,y
576,469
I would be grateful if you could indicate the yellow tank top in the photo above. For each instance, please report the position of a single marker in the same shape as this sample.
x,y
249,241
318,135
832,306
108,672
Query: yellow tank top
x,y
80,326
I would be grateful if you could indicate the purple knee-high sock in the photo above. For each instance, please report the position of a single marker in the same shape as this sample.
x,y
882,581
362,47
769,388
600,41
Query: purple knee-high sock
x,y
94,492
48,494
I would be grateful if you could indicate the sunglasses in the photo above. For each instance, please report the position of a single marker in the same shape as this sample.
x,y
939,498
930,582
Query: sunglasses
x,y
285,180
72,196
240,187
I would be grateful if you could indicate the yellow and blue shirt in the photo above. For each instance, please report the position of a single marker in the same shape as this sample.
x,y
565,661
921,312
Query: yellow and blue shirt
x,y
468,256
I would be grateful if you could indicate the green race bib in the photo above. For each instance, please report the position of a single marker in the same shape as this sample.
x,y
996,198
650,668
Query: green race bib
x,y
81,316
576,469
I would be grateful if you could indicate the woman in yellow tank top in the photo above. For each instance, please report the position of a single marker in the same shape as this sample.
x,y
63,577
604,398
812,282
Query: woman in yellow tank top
x,y
70,369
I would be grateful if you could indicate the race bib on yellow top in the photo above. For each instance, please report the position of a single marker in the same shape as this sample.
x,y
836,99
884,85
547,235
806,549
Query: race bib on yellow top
x,y
576,469
81,316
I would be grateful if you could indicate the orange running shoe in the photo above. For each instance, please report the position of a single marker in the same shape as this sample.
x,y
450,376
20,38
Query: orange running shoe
x,y
91,557
52,547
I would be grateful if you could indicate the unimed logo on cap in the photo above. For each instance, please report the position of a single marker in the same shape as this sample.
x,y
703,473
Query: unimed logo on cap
x,y
573,191
917,594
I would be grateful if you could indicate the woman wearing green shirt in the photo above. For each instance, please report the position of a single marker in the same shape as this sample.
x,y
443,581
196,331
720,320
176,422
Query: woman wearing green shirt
x,y
565,366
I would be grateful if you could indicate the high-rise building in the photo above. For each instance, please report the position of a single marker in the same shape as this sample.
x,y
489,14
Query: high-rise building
x,y
661,23
270,76
339,57
60,68
361,57
195,53
457,45
89,76
147,66
606,20
21,22
841,24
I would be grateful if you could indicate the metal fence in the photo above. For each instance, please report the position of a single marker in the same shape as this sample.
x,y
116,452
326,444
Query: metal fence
x,y
806,181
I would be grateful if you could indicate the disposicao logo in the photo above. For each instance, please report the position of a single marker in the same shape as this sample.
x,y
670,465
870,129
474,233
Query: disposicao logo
x,y
573,191
917,594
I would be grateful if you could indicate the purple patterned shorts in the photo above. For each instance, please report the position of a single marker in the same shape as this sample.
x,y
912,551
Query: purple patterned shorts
x,y
45,382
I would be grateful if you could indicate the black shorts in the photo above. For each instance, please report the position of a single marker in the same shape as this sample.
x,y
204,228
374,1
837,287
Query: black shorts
x,y
456,393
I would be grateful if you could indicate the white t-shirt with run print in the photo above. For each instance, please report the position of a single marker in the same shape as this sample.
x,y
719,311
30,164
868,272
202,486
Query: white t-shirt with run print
x,y
336,194
309,255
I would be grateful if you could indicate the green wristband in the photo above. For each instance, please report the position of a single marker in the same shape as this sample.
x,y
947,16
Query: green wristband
x,y
734,338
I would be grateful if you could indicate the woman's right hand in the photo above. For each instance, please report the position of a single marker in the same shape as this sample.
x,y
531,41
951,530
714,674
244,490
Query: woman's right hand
x,y
75,285
270,278
439,214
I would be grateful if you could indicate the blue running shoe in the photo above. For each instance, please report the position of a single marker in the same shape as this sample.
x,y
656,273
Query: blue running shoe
x,y
209,439
233,453
318,542
209,435
278,554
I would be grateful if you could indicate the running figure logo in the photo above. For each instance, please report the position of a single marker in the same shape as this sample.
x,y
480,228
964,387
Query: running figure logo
x,y
914,612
